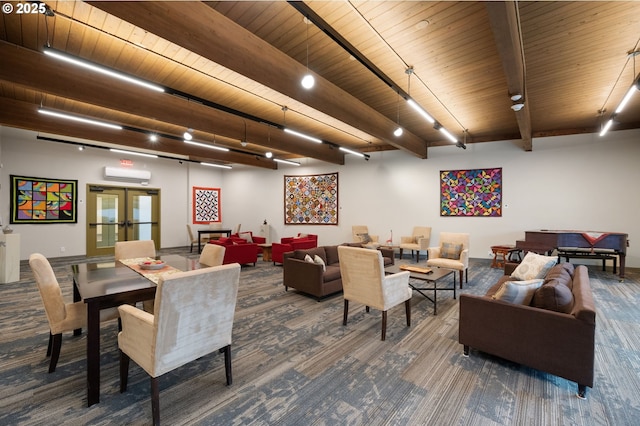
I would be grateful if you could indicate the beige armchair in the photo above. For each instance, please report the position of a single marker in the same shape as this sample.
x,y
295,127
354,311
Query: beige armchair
x,y
418,241
453,253
193,317
133,249
364,281
212,255
62,316
361,235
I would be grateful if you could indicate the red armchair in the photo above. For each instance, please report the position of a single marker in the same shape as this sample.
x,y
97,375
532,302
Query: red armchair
x,y
248,237
287,244
238,252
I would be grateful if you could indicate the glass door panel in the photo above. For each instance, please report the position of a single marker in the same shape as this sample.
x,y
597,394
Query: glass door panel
x,y
121,214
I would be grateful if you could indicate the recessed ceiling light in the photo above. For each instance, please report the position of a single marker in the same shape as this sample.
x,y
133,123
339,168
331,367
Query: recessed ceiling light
x,y
421,25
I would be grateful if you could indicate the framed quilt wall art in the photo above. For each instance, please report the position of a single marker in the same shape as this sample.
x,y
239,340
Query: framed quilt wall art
x,y
206,205
476,192
42,200
311,200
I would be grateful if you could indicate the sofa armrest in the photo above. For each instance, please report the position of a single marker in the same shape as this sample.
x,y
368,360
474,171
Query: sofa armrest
x,y
301,275
388,253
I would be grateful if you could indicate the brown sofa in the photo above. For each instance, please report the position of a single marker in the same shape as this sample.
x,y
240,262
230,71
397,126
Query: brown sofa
x,y
310,278
555,333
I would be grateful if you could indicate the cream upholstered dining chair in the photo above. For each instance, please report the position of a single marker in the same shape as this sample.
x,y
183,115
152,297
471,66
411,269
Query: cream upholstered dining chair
x,y
194,239
133,249
192,317
453,253
361,235
418,241
62,317
212,255
364,281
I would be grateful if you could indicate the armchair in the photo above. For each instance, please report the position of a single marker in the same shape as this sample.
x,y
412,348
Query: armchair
x,y
192,317
419,240
361,235
238,252
62,317
453,253
364,281
288,244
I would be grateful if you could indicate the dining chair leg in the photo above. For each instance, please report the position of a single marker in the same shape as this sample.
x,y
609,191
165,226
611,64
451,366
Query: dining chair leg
x,y
384,325
50,345
407,310
346,311
227,363
124,371
55,352
155,401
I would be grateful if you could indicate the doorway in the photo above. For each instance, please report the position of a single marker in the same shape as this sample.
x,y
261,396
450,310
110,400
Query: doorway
x,y
121,214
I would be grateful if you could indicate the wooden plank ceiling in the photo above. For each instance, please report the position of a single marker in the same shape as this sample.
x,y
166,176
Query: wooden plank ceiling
x,y
229,69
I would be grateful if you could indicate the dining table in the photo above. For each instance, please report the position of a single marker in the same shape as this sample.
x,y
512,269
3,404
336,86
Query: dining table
x,y
103,285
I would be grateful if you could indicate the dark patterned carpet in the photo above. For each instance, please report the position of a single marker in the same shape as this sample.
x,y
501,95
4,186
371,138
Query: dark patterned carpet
x,y
295,364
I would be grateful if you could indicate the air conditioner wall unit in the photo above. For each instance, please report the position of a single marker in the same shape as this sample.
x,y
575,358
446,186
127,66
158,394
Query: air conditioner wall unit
x,y
119,173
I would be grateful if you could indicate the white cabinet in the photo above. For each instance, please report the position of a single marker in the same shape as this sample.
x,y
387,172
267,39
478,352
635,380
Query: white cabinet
x,y
9,258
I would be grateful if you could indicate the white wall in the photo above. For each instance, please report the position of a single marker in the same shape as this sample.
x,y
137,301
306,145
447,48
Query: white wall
x,y
574,182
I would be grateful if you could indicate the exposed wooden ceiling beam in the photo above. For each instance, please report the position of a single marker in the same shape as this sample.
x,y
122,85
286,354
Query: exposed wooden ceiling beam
x,y
227,43
504,23
25,115
42,73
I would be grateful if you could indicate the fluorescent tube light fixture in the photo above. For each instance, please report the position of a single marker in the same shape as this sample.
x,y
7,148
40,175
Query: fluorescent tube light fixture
x,y
204,145
420,111
100,69
448,135
359,154
302,135
291,163
220,166
635,86
140,154
79,119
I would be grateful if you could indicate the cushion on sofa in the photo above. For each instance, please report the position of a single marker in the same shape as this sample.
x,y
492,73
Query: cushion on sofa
x,y
554,295
450,251
518,292
246,236
332,273
533,266
562,273
331,254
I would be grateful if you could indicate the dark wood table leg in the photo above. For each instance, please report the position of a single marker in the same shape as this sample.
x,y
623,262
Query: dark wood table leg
x,y
93,354
76,298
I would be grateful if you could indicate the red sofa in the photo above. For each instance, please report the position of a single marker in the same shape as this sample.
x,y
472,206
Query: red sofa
x,y
287,244
238,252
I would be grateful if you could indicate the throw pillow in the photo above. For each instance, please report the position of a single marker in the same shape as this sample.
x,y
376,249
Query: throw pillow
x,y
317,259
534,266
450,251
246,236
365,238
518,292
554,296
308,258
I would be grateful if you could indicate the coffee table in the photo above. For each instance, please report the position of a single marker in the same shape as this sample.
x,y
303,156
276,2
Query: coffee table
x,y
434,277
266,251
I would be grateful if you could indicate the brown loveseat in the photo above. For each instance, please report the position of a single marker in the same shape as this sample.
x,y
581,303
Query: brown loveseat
x,y
310,278
555,333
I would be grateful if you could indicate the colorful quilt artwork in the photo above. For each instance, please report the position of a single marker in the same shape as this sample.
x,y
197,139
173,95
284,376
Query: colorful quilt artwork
x,y
206,205
311,200
471,192
40,200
